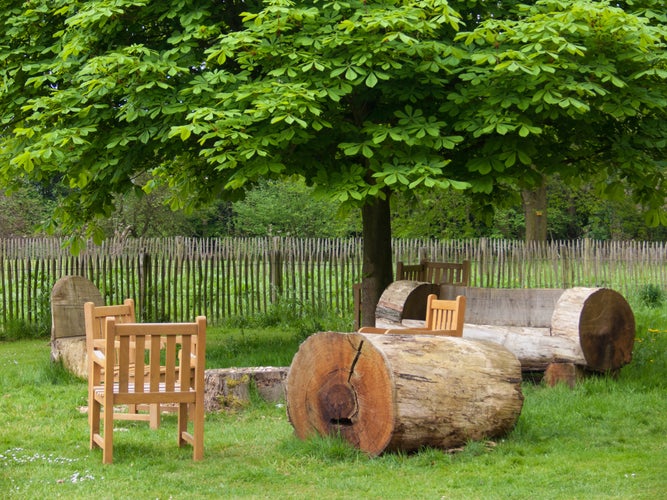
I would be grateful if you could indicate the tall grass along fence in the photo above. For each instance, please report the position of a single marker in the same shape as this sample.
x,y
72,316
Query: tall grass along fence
x,y
176,278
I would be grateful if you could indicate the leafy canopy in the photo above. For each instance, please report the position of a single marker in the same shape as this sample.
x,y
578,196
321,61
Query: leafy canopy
x,y
574,88
361,98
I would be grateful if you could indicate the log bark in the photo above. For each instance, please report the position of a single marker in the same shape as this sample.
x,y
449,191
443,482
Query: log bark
x,y
402,392
525,307
535,348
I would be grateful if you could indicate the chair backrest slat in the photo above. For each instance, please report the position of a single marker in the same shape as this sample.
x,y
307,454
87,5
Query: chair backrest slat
x,y
170,363
139,362
123,362
186,360
453,273
154,363
445,314
411,272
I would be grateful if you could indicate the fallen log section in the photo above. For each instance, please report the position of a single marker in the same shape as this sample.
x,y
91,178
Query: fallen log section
x,y
593,328
401,392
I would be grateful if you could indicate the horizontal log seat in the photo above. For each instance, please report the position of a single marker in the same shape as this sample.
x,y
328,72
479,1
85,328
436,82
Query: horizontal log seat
x,y
591,329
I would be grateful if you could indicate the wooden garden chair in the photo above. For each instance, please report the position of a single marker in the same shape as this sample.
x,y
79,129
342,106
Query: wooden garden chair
x,y
411,272
443,317
451,273
95,318
175,375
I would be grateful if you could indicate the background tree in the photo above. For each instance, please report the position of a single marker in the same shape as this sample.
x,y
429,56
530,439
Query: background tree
x,y
21,213
573,212
362,99
575,88
288,208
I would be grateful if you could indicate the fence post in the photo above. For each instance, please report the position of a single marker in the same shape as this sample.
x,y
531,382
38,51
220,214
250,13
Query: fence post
x,y
423,255
276,270
565,261
144,283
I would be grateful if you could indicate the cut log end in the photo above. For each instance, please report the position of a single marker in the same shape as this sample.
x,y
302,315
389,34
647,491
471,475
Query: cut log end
x,y
338,386
605,324
607,330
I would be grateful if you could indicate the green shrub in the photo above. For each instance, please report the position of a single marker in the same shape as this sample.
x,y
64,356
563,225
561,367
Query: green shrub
x,y
651,296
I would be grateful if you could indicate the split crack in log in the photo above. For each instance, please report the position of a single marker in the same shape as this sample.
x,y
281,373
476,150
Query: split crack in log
x,y
341,402
354,362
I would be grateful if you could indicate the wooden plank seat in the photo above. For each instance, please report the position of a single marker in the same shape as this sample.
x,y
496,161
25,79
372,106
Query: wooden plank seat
x,y
175,376
443,317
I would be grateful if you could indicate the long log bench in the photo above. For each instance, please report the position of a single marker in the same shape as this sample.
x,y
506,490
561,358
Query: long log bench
x,y
561,332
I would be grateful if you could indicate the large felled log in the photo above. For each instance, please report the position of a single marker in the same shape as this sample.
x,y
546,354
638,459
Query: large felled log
x,y
593,328
525,307
402,392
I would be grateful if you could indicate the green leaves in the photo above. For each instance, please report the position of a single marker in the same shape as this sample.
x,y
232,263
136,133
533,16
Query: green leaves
x,y
362,97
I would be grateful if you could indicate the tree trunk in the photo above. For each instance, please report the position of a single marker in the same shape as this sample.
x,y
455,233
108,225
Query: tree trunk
x,y
377,258
402,392
535,210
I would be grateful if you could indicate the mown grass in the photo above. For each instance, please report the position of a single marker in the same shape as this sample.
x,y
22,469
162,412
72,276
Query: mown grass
x,y
607,438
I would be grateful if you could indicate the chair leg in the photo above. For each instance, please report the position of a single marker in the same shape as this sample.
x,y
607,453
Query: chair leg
x,y
182,423
154,411
107,449
94,410
198,432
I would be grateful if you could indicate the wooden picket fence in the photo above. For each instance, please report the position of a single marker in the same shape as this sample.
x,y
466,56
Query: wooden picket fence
x,y
174,279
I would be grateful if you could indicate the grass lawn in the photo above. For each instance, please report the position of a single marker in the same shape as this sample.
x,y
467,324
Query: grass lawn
x,y
607,438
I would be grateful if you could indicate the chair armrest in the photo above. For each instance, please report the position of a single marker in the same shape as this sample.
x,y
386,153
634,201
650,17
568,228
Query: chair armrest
x,y
372,329
99,344
99,357
426,331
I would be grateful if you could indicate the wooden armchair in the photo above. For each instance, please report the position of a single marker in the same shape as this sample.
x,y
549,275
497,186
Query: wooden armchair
x,y
174,375
95,318
443,317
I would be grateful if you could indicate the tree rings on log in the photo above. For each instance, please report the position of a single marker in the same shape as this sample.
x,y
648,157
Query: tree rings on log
x,y
402,392
602,320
